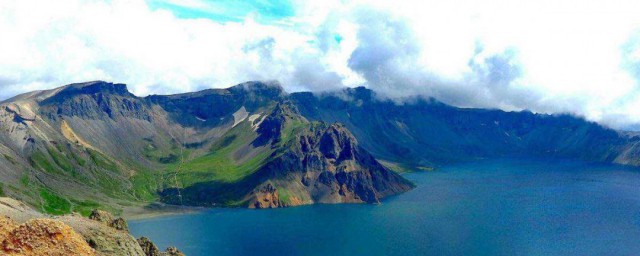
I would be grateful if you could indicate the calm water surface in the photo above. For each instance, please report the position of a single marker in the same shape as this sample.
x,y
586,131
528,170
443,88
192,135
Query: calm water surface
x,y
506,207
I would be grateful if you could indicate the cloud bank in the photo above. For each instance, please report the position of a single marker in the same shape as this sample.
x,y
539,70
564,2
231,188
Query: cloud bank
x,y
546,56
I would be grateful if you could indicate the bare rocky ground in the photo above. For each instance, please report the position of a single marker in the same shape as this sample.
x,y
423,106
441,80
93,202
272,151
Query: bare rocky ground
x,y
24,231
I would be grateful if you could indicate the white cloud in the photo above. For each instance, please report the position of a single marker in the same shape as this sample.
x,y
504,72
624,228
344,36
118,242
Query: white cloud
x,y
548,56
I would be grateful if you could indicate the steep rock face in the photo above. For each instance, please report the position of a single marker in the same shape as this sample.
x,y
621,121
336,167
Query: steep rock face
x,y
323,163
149,248
310,163
96,100
210,108
422,132
265,197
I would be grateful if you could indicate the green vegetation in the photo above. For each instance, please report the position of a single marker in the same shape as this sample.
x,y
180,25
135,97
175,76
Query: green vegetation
x,y
40,160
54,204
2,189
403,168
78,158
60,159
102,161
84,207
220,164
24,180
290,129
59,205
145,185
171,156
284,195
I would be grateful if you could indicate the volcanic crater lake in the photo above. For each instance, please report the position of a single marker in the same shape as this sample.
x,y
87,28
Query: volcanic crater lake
x,y
490,207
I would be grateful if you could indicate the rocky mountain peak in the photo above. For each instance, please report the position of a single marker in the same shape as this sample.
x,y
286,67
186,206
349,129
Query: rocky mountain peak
x,y
283,114
94,87
95,100
271,89
338,143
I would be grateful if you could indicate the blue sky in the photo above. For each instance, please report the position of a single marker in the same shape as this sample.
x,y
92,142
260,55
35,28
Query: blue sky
x,y
547,56
266,11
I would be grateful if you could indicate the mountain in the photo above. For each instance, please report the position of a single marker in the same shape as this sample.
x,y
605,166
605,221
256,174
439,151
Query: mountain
x,y
96,145
289,161
24,231
425,132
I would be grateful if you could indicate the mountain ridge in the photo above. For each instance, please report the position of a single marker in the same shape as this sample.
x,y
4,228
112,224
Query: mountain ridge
x,y
255,145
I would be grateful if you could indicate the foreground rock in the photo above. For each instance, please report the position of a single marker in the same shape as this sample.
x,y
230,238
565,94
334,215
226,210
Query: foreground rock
x,y
73,234
43,237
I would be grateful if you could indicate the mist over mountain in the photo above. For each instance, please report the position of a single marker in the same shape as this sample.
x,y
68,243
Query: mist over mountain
x,y
525,57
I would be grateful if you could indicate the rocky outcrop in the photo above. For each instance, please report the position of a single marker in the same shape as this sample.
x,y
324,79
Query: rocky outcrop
x,y
44,237
64,235
107,219
308,162
6,226
265,197
323,163
119,224
172,251
96,100
150,249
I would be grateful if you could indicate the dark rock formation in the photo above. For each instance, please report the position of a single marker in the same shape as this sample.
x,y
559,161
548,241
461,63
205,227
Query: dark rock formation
x,y
101,216
96,100
107,219
323,163
172,251
119,224
265,197
149,248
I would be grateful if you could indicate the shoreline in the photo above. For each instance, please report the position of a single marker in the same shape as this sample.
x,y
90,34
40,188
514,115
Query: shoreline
x,y
155,210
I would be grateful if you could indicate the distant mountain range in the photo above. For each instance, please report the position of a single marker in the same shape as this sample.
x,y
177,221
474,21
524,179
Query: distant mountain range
x,y
96,145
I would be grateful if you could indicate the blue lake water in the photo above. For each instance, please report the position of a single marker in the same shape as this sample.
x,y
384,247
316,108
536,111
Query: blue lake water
x,y
506,207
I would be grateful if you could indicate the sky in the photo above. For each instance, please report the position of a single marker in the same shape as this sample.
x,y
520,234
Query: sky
x,y
547,56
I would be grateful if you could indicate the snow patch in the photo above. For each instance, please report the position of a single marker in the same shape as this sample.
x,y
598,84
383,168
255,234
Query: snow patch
x,y
239,116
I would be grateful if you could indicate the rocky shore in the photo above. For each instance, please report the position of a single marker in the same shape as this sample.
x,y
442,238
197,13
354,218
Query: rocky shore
x,y
24,231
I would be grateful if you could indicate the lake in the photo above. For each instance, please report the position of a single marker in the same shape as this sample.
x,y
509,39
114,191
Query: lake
x,y
492,207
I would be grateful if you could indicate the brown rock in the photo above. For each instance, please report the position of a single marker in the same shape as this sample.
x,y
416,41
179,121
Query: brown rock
x,y
149,248
172,251
6,226
265,197
119,224
45,237
107,219
101,216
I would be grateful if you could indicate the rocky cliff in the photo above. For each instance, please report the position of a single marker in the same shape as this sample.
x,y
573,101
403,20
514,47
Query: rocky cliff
x,y
309,162
24,231
424,132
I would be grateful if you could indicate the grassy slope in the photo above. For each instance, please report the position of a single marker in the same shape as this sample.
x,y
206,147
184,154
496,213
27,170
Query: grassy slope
x,y
67,162
220,164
